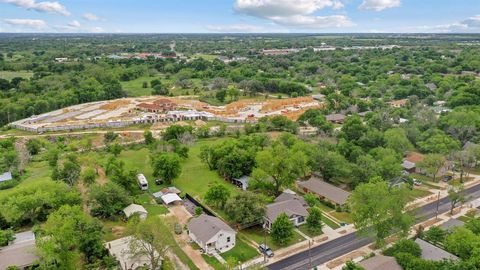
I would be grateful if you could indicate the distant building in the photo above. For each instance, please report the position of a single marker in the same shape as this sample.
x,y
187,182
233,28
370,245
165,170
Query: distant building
x,y
324,191
20,253
411,161
241,182
431,86
336,118
398,103
433,253
211,234
380,262
61,59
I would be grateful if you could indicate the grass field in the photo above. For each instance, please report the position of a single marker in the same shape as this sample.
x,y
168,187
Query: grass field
x,y
195,177
8,75
304,229
242,252
256,234
213,262
134,88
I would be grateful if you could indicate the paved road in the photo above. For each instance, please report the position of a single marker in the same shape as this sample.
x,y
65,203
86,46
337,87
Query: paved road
x,y
350,242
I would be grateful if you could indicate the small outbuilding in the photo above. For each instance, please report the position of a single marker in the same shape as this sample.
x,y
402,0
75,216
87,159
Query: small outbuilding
x,y
6,176
170,198
21,252
241,182
133,209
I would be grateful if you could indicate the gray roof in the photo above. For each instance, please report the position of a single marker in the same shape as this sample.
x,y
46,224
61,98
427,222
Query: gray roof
x,y
289,207
287,196
6,176
380,262
326,190
451,224
431,86
335,117
204,227
433,253
408,164
20,252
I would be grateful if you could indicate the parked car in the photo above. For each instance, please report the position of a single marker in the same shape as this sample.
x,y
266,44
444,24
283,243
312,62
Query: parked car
x,y
447,178
264,249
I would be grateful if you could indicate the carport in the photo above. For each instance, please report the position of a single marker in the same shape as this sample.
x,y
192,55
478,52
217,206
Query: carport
x,y
171,198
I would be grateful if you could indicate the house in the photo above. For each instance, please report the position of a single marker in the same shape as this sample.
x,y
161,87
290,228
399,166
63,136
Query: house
x,y
433,253
292,205
318,97
380,262
397,182
410,162
452,224
211,234
7,176
241,182
398,103
325,191
61,59
288,195
120,249
133,209
336,118
20,253
431,86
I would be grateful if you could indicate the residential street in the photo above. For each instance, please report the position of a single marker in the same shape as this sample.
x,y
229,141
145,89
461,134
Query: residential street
x,y
350,242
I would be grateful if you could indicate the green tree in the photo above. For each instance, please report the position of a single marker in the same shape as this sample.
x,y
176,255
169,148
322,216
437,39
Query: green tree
x,y
278,167
404,246
377,208
314,220
397,140
150,238
34,146
353,128
166,166
217,195
456,196
148,136
462,242
68,234
350,265
246,208
282,229
5,237
89,175
431,164
109,137
435,235
115,149
107,200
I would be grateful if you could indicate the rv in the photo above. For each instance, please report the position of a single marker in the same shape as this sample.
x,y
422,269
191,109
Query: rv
x,y
142,182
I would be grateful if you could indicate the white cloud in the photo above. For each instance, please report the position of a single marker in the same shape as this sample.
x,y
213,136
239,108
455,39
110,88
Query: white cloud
x,y
242,28
74,24
29,23
51,7
297,14
379,5
90,17
473,22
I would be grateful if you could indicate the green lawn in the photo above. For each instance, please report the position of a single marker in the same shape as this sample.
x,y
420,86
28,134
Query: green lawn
x,y
155,209
8,75
256,234
342,216
195,177
304,229
464,218
213,262
134,88
418,193
330,223
242,252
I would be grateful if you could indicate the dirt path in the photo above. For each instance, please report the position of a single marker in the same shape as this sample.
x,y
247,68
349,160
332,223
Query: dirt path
x,y
183,216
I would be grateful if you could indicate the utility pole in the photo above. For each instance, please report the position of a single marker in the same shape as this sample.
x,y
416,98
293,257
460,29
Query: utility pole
x,y
438,202
264,244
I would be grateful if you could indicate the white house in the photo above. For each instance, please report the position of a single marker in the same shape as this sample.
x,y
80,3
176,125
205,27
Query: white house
x,y
211,234
120,249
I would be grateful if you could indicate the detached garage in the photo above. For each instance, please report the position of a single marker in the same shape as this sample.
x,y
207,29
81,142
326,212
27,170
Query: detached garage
x,y
171,198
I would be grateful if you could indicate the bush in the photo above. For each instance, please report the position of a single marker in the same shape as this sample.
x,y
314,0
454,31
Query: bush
x,y
5,237
404,246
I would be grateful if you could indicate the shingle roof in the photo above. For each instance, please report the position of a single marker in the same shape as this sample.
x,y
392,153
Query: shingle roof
x,y
326,190
433,253
451,224
20,253
289,207
380,262
335,117
204,227
414,157
287,196
408,165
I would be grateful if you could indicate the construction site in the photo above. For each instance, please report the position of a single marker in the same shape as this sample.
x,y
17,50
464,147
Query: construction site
x,y
157,109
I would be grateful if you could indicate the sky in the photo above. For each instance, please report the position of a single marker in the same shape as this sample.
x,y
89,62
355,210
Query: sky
x,y
240,16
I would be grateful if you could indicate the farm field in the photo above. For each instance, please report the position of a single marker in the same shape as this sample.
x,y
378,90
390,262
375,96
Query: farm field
x,y
8,75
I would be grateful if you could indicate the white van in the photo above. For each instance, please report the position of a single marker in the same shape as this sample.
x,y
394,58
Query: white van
x,y
142,181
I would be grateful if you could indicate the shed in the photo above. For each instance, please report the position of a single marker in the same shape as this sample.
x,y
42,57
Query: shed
x,y
171,198
433,253
6,176
241,182
20,253
135,209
